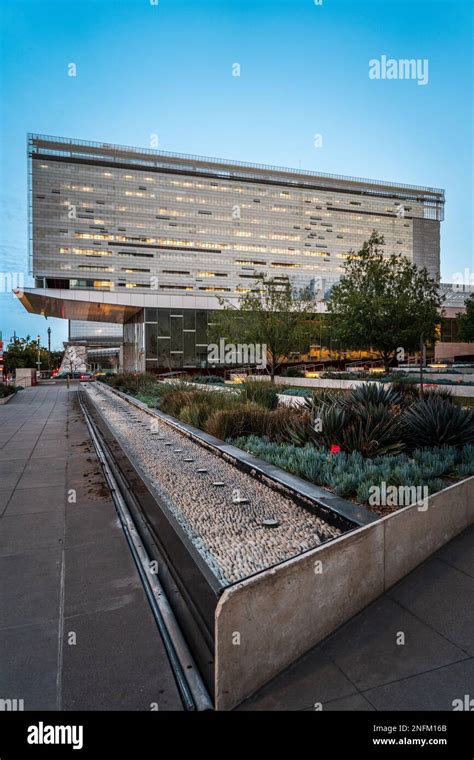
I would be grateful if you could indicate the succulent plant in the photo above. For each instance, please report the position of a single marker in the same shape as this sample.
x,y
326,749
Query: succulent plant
x,y
435,421
374,394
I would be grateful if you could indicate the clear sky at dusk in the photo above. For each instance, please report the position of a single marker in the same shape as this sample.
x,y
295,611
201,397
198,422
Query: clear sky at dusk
x,y
166,69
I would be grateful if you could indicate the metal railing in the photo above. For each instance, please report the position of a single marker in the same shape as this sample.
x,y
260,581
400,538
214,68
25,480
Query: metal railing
x,y
229,162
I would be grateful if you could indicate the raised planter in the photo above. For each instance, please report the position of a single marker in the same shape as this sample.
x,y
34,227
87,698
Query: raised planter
x,y
312,382
6,399
283,612
265,622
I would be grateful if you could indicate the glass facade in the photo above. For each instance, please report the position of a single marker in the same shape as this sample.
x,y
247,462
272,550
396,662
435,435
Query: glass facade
x,y
172,233
176,338
123,219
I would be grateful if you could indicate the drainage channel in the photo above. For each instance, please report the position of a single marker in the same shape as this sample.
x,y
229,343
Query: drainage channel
x,y
192,689
236,524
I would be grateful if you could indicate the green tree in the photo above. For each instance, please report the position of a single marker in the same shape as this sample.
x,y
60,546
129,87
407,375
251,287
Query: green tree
x,y
466,321
23,352
273,313
384,303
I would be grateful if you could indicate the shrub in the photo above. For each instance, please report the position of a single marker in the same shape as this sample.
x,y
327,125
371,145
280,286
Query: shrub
x,y
175,398
280,425
304,392
246,420
293,372
196,414
8,390
134,383
259,392
444,393
435,421
289,425
208,379
407,390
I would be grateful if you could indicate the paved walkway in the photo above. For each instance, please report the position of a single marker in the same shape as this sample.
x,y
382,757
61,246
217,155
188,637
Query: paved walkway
x,y
362,667
76,631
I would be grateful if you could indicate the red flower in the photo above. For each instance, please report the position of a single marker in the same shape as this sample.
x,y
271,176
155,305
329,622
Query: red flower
x,y
335,449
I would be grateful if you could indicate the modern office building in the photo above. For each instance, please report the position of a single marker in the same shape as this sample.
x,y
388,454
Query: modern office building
x,y
150,240
449,347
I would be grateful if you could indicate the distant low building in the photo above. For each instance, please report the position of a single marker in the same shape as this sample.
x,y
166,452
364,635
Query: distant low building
x,y
449,347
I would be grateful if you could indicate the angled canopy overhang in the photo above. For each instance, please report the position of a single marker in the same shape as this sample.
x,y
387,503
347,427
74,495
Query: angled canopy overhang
x,y
65,304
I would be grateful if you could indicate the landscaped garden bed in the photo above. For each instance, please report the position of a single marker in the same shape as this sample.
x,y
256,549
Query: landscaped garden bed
x,y
351,443
375,434
6,393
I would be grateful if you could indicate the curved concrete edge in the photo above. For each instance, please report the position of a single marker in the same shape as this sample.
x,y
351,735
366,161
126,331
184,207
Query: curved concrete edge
x,y
268,621
265,623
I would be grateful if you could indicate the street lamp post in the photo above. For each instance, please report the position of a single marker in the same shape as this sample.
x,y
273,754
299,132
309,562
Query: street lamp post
x,y
38,362
422,345
49,349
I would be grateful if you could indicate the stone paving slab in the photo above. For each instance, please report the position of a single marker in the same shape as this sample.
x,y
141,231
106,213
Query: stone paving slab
x,y
367,651
106,581
30,588
459,553
23,532
357,703
435,690
5,496
29,665
65,567
314,679
104,673
434,608
41,499
443,597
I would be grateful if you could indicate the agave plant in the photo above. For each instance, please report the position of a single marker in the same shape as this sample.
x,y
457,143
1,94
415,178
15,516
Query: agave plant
x,y
372,393
407,388
445,393
329,423
373,431
435,421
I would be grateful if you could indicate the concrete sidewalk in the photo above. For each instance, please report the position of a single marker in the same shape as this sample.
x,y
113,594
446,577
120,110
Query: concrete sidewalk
x,y
411,649
76,630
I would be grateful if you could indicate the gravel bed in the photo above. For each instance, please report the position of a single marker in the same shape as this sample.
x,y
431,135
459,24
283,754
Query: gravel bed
x,y
222,510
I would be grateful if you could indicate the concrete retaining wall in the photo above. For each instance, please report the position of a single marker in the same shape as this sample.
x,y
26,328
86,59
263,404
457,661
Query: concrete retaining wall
x,y
315,382
266,622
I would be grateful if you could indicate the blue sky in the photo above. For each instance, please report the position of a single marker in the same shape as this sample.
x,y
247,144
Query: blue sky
x,y
166,69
